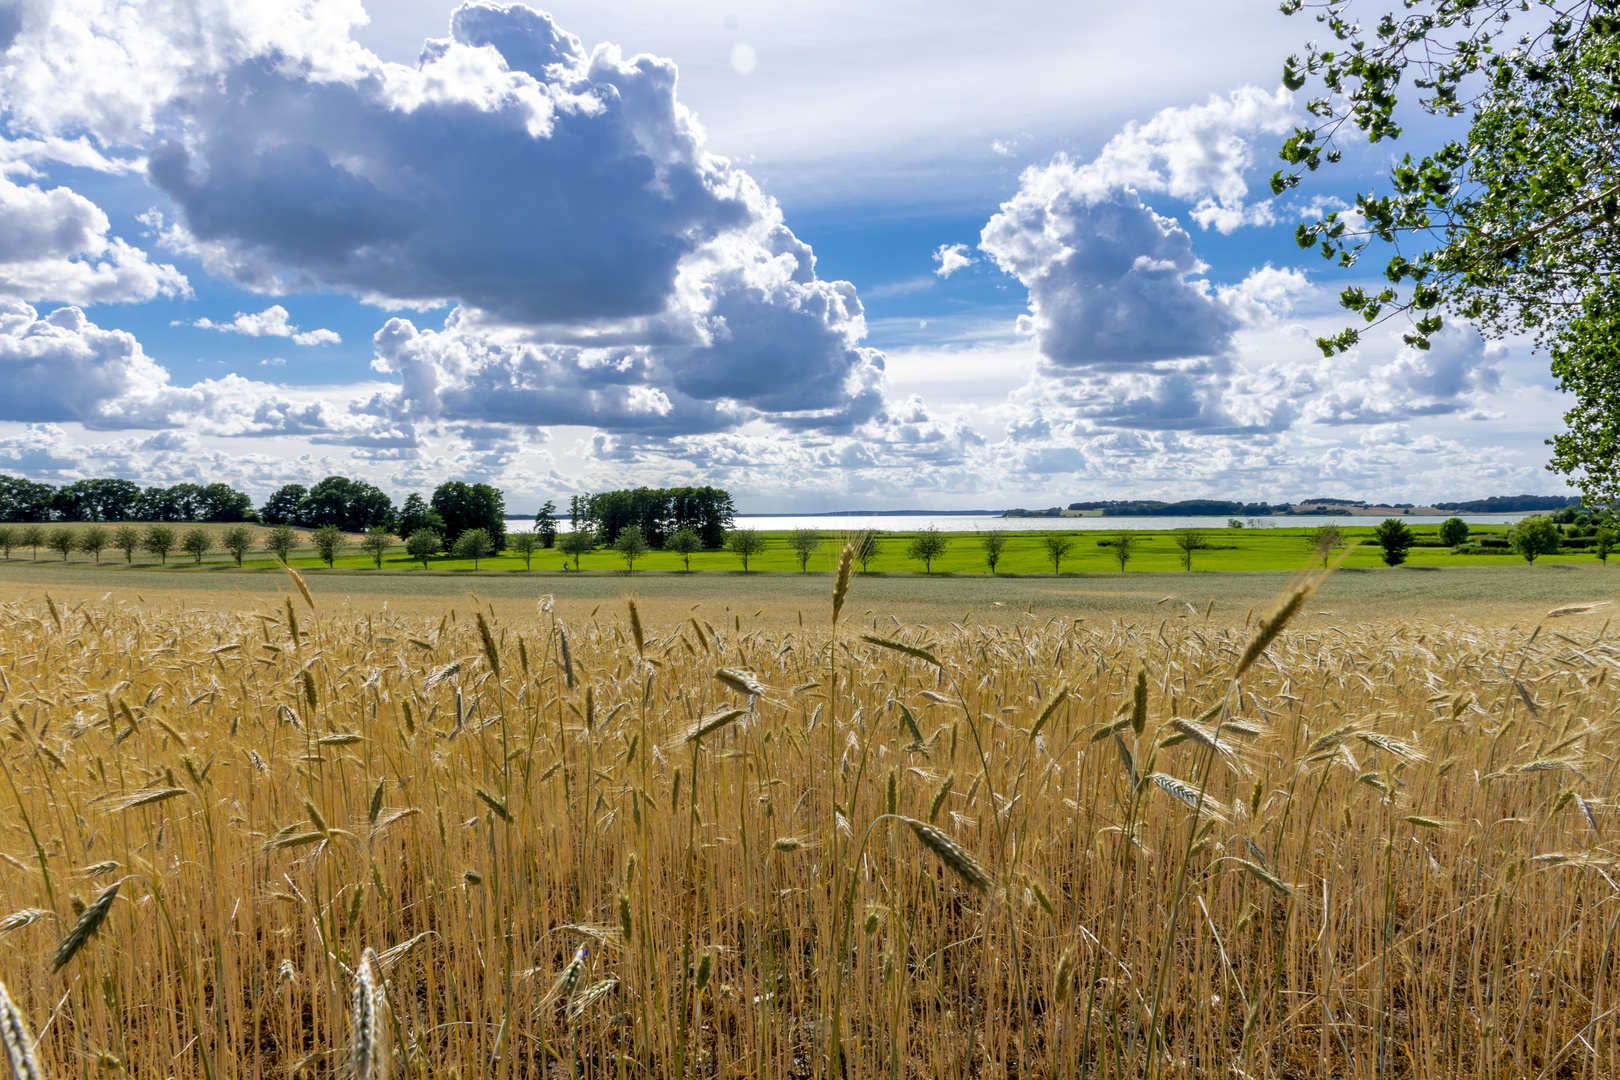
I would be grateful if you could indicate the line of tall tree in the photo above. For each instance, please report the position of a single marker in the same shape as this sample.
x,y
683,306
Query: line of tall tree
x,y
356,506
658,512
120,500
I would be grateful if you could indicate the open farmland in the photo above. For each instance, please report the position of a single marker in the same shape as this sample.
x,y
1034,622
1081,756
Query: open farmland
x,y
589,838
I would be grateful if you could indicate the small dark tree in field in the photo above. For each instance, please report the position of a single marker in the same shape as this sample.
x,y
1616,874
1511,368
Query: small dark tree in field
x,y
376,542
868,546
745,544
1324,541
238,540
576,544
94,540
994,542
1058,546
631,545
525,544
1453,531
473,544
926,546
8,539
197,543
329,540
1124,548
805,543
1603,542
424,543
126,538
159,540
64,542
1535,536
280,541
1394,539
32,537
684,542
1189,541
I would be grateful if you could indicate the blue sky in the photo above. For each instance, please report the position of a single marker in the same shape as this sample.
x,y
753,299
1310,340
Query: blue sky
x,y
826,254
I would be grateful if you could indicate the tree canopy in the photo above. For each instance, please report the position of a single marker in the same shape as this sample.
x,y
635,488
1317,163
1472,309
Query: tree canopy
x,y
1509,224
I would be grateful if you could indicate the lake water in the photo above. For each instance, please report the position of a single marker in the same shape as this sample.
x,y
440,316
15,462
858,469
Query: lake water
x,y
841,523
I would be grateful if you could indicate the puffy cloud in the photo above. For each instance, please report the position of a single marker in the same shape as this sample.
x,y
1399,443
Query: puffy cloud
x,y
271,322
951,258
1200,152
1452,376
1111,283
54,246
64,368
563,199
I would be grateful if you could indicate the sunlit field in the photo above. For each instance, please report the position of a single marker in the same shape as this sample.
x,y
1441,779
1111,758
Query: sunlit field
x,y
290,834
1226,549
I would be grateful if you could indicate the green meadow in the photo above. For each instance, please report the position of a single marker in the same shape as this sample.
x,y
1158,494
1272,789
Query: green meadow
x,y
1091,552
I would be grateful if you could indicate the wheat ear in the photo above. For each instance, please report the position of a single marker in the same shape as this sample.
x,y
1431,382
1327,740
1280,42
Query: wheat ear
x,y
368,1058
846,570
21,1053
86,927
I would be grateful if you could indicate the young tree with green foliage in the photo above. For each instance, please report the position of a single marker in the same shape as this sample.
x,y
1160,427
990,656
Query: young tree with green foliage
x,y
328,541
238,540
576,544
31,537
64,542
280,542
804,543
474,544
928,545
376,542
197,543
126,538
1535,536
868,546
1324,542
1189,541
994,542
1604,541
94,541
1058,546
631,545
424,543
684,541
1394,540
1511,226
1453,531
1124,548
545,525
745,544
524,544
159,540
8,539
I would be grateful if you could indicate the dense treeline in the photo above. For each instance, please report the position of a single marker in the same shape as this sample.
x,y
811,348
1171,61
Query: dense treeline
x,y
657,512
120,500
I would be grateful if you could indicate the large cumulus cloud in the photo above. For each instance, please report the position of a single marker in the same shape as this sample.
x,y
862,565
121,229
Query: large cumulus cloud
x,y
562,200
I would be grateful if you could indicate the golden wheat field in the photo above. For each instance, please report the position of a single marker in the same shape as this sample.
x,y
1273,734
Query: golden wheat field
x,y
278,840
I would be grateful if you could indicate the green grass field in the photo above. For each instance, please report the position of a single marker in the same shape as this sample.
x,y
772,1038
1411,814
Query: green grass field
x,y
1156,551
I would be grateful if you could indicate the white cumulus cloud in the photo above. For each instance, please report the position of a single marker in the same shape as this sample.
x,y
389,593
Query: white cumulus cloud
x,y
951,258
271,322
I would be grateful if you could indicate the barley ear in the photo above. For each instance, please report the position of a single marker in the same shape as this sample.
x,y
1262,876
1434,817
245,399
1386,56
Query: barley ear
x,y
492,655
952,855
86,927
846,570
1139,701
298,580
368,1057
21,1053
635,629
